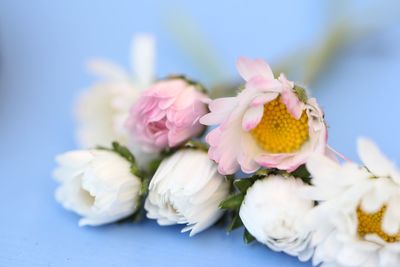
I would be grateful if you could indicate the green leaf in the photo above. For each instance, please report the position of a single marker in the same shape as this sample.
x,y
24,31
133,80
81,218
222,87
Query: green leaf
x,y
232,202
235,223
303,173
243,184
153,165
247,237
123,152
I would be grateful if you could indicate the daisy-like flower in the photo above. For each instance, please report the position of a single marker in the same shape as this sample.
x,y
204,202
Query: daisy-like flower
x,y
270,123
187,189
357,221
102,109
273,212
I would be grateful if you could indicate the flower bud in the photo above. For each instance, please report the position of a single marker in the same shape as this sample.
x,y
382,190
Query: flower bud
x,y
97,185
187,189
273,213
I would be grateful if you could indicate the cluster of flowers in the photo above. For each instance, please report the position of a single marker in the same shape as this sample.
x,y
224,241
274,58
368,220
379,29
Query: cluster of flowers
x,y
293,195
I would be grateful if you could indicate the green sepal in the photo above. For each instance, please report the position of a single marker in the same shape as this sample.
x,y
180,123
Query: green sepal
x,y
232,202
243,184
235,223
196,145
230,178
144,188
247,237
123,152
300,93
303,173
154,164
263,172
137,172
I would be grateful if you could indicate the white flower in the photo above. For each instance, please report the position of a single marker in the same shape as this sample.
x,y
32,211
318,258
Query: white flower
x,y
273,212
98,185
187,189
102,109
357,221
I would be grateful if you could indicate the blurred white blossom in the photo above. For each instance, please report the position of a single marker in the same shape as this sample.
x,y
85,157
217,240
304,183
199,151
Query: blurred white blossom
x,y
102,109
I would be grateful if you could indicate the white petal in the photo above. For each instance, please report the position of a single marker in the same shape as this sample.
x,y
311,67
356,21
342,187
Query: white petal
x,y
106,69
388,259
373,158
143,58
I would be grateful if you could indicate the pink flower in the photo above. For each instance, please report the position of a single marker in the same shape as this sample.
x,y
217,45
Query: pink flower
x,y
271,123
166,115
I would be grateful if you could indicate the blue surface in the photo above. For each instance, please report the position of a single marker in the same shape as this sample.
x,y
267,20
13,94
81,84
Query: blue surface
x,y
43,45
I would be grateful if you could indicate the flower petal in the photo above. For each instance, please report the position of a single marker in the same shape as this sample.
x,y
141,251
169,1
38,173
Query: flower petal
x,y
252,117
373,158
249,68
292,103
264,98
143,54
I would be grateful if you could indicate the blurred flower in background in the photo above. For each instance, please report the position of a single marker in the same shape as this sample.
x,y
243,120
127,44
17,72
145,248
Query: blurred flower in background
x,y
102,109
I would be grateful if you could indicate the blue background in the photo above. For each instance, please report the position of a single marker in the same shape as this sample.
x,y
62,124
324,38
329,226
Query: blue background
x,y
43,47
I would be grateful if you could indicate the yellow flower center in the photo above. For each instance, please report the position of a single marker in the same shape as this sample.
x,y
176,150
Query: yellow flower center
x,y
278,131
371,223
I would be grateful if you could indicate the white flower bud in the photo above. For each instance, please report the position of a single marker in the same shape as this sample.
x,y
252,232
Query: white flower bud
x,y
187,189
273,212
98,185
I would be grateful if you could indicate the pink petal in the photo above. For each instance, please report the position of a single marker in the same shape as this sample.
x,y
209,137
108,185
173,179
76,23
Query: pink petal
x,y
264,98
186,98
220,110
177,136
166,88
270,160
252,117
264,85
212,118
165,103
292,103
249,68
213,137
225,103
222,151
247,155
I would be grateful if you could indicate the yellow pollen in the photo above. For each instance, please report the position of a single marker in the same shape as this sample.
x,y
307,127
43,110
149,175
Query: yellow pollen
x,y
278,131
371,223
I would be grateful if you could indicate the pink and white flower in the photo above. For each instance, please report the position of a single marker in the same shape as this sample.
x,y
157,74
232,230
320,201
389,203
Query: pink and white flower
x,y
271,123
167,114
